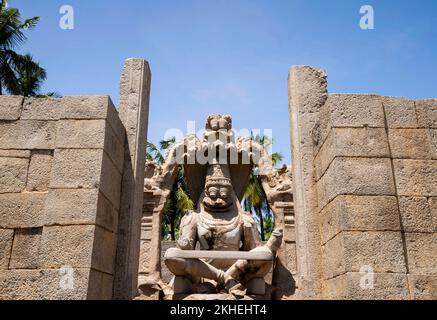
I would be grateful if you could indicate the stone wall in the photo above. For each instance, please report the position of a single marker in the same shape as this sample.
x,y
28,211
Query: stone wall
x,y
61,162
370,164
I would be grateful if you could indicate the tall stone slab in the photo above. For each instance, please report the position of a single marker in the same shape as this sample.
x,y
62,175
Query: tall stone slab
x,y
307,95
134,111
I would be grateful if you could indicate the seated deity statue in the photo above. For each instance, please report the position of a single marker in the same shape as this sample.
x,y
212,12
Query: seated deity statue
x,y
220,225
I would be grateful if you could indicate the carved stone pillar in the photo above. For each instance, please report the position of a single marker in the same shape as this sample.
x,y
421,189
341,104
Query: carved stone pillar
x,y
278,187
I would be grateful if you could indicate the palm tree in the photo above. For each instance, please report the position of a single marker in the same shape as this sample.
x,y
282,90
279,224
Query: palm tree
x,y
30,77
255,198
18,73
179,201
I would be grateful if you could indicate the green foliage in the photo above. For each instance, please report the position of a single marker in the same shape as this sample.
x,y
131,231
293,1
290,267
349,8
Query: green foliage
x,y
255,198
19,74
179,202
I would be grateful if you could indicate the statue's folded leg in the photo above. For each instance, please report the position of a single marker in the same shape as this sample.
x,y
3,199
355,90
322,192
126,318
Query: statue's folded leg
x,y
195,267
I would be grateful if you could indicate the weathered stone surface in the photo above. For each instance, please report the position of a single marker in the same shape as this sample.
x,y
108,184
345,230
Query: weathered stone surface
x,y
399,112
433,207
426,110
351,142
410,143
114,148
21,210
41,108
110,181
80,134
416,215
90,134
350,251
386,286
416,177
46,284
79,246
80,206
134,113
27,134
100,286
103,258
356,110
67,245
26,249
307,92
93,107
13,174
359,213
6,237
423,287
38,178
422,252
76,168
433,133
10,107
357,176
15,154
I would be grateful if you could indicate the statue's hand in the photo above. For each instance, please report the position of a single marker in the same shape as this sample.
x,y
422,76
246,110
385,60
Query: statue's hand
x,y
275,240
183,244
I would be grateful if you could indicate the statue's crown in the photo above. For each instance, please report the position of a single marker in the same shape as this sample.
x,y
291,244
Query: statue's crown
x,y
218,174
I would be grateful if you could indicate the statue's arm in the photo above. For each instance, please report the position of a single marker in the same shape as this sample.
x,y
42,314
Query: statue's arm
x,y
251,237
188,232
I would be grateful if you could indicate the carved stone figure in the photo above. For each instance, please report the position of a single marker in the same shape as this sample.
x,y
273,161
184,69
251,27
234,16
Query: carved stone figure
x,y
234,258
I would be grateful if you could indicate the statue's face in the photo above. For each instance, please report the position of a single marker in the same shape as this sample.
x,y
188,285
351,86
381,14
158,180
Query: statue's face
x,y
218,197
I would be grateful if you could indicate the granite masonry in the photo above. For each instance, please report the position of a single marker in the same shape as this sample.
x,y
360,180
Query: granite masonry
x,y
80,217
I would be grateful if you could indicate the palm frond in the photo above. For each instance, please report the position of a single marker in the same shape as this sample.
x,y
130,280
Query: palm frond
x,y
153,154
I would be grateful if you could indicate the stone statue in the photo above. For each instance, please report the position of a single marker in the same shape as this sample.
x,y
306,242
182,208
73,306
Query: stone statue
x,y
231,256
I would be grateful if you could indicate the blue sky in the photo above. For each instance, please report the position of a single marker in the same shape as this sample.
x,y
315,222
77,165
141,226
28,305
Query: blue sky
x,y
232,56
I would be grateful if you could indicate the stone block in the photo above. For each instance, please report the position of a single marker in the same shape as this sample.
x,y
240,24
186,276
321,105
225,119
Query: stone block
x,y
79,206
91,134
426,110
359,213
356,176
352,286
41,108
47,284
416,215
399,112
104,250
76,168
110,181
21,210
27,134
78,246
350,251
10,107
38,178
80,134
410,143
423,287
26,249
416,177
114,148
13,174
433,133
67,246
422,252
6,238
356,110
93,107
100,286
352,142
433,207
15,154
